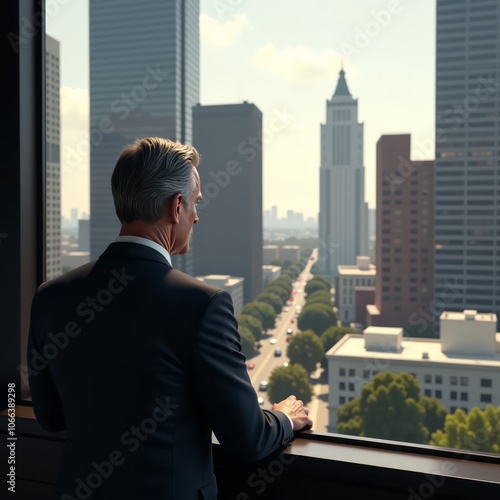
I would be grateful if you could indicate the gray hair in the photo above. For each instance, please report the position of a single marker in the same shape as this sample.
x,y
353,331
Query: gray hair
x,y
148,173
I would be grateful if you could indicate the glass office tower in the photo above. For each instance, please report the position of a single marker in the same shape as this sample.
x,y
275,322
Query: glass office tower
x,y
144,81
467,231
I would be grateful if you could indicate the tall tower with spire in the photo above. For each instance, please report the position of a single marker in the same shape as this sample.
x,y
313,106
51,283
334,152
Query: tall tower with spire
x,y
343,213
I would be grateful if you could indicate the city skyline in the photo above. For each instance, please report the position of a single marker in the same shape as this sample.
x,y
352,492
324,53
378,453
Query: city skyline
x,y
385,47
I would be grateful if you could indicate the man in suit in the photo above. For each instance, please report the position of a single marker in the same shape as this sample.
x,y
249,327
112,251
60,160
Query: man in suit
x,y
140,362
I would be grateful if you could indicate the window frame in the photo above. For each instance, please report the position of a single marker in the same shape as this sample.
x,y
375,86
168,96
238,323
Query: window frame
x,y
22,246
22,261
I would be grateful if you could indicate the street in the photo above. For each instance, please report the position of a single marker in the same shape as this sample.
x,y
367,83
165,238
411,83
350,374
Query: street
x,y
266,361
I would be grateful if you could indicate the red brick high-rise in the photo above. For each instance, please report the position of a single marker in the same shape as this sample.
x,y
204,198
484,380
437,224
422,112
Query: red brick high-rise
x,y
404,239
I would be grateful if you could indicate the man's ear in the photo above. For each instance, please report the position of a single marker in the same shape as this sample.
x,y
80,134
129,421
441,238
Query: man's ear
x,y
173,208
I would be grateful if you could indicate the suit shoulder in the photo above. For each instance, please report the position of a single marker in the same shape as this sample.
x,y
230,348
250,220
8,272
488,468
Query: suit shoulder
x,y
185,281
75,275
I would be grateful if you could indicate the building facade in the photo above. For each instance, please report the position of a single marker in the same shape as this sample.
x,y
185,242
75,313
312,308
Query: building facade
x,y
404,245
269,274
467,257
343,213
228,238
270,253
143,82
53,164
349,278
461,370
231,284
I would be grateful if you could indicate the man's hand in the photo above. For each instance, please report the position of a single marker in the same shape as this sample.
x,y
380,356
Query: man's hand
x,y
295,409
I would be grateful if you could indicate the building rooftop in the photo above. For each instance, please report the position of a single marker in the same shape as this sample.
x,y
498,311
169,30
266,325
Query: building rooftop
x,y
221,279
341,88
412,349
355,270
469,315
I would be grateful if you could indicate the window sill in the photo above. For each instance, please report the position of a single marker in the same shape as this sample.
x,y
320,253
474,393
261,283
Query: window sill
x,y
315,463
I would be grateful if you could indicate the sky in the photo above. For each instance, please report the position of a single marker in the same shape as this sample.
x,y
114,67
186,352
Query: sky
x,y
284,57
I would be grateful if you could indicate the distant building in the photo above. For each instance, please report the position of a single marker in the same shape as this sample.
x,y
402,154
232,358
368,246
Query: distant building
x,y
405,238
74,258
372,223
461,370
144,63
348,280
84,235
53,165
231,284
228,239
289,252
343,215
363,296
270,253
269,274
277,252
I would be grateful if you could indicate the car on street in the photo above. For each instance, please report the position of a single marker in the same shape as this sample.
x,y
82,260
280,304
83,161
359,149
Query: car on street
x,y
263,385
260,400
286,309
289,331
273,341
277,353
251,366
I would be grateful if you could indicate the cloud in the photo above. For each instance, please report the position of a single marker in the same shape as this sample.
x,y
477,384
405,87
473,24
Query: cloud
x,y
222,34
74,108
298,63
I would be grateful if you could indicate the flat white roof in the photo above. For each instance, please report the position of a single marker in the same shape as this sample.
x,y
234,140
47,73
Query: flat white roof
x,y
353,346
474,315
383,330
355,271
226,279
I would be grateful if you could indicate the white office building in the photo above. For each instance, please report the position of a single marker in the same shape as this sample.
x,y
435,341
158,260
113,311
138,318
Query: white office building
x,y
349,278
343,214
231,284
461,369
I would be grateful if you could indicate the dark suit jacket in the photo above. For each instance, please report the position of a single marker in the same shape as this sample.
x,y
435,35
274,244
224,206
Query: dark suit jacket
x,y
140,363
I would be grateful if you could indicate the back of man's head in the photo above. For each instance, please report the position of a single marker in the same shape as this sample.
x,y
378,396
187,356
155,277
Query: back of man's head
x,y
148,173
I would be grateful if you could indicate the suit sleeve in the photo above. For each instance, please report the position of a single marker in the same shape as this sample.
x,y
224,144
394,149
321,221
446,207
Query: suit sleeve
x,y
227,395
46,401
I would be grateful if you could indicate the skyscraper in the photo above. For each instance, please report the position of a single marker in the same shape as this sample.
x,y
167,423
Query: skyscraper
x,y
343,213
144,80
467,238
228,238
404,239
53,165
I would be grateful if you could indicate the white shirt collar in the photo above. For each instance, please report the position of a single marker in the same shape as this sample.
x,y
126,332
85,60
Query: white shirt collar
x,y
146,242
